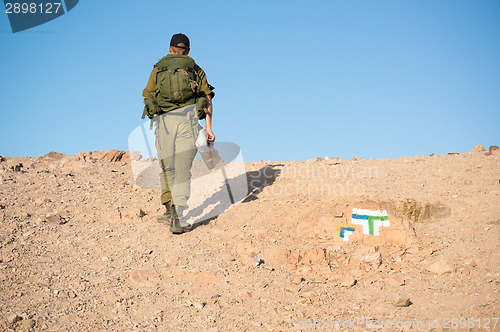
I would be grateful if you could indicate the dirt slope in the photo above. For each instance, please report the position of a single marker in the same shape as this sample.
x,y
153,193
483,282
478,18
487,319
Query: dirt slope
x,y
80,248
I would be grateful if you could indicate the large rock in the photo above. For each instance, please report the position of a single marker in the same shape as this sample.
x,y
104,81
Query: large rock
x,y
52,156
478,148
14,165
131,156
422,212
79,162
439,266
337,225
73,164
55,219
108,155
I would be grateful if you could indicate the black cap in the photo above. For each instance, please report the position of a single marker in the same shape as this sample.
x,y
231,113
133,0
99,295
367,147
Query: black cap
x,y
179,38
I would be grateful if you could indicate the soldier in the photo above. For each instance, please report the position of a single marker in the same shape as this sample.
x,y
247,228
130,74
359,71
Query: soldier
x,y
176,96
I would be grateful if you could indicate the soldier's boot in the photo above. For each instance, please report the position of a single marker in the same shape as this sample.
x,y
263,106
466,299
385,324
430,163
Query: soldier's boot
x,y
166,218
178,225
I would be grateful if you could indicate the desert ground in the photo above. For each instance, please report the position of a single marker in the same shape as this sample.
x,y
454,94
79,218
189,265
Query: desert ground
x,y
81,250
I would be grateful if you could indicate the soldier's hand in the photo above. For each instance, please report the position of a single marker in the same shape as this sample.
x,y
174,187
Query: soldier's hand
x,y
210,135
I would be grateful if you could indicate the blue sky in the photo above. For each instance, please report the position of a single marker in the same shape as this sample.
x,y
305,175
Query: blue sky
x,y
294,80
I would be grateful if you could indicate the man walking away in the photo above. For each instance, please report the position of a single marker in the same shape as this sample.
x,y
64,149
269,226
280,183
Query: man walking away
x,y
176,96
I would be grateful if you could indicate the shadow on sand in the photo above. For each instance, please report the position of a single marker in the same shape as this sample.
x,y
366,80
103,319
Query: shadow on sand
x,y
223,197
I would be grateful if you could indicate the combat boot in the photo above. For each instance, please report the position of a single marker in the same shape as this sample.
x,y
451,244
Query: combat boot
x,y
166,218
179,226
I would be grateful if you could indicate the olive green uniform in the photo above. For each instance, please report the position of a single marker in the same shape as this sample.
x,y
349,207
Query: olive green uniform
x,y
176,132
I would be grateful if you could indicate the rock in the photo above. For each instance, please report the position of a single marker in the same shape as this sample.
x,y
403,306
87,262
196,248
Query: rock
x,y
108,155
493,148
426,252
373,260
144,276
2,159
55,219
14,318
198,305
369,278
335,224
53,156
73,164
396,281
439,266
478,148
14,165
422,212
402,301
348,282
131,156
28,324
245,252
297,280
71,294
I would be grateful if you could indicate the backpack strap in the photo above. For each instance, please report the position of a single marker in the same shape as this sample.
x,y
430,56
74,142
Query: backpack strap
x,y
161,69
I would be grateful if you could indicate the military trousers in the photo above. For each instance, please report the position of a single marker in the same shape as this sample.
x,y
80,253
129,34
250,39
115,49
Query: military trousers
x,y
176,133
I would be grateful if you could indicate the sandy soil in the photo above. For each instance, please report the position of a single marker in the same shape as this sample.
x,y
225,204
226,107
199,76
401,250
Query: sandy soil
x,y
80,248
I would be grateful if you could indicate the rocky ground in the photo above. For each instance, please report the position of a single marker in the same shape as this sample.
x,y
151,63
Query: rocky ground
x,y
80,248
